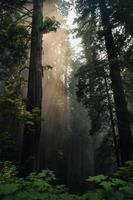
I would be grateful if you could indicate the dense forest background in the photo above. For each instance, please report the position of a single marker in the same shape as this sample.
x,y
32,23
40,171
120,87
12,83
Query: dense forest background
x,y
66,99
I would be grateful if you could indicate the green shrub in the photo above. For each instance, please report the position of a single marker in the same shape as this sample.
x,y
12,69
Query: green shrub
x,y
36,186
41,186
117,187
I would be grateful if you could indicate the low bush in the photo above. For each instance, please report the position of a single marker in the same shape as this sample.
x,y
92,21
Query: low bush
x,y
41,186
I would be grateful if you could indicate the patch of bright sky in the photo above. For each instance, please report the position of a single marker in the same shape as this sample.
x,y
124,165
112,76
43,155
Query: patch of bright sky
x,y
76,42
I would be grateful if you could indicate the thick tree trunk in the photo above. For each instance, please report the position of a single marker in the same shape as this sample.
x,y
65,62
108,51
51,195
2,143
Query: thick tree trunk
x,y
124,129
31,138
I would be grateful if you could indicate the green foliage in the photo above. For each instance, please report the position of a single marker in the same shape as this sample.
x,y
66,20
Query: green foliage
x,y
126,172
49,24
37,186
14,53
11,101
119,186
7,171
41,186
14,50
97,178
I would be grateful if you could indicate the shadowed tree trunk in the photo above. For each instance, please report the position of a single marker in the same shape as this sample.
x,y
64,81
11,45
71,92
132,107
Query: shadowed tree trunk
x,y
116,145
31,137
124,129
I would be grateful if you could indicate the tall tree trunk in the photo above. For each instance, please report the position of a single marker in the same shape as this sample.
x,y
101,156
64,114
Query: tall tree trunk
x,y
124,129
31,138
116,145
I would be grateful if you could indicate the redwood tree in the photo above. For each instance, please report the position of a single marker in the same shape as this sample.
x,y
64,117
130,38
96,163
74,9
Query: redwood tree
x,y
125,135
104,27
32,136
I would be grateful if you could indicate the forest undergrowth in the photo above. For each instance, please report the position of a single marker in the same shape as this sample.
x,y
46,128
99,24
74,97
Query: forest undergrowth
x,y
42,185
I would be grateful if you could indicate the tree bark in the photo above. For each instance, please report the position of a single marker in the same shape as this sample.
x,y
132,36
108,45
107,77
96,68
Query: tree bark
x,y
124,129
31,139
116,145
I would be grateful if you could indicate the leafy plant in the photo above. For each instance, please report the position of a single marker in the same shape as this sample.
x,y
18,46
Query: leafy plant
x,y
119,186
41,186
37,186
